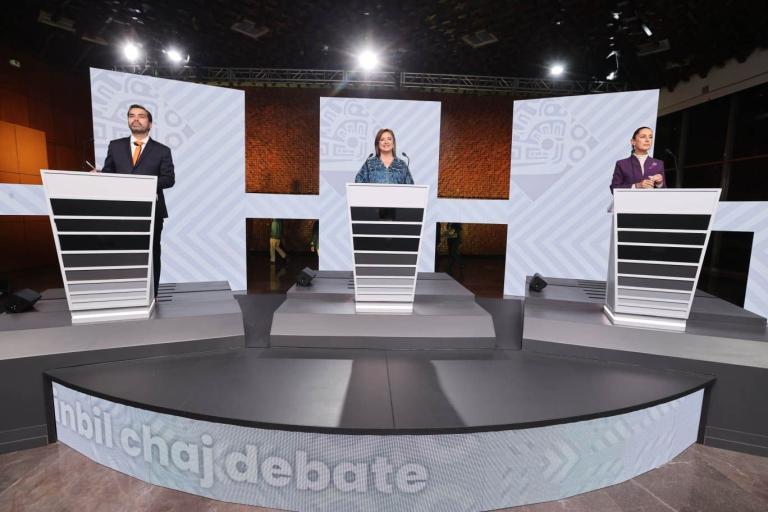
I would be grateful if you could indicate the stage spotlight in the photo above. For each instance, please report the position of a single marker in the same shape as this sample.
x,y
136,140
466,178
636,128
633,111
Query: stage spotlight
x,y
175,56
556,69
611,75
367,60
131,52
647,30
616,15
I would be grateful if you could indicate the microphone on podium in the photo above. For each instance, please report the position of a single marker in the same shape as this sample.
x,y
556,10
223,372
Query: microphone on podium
x,y
678,177
674,158
409,158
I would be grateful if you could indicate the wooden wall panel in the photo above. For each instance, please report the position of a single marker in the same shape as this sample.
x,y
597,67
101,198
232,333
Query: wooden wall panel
x,y
30,179
39,248
67,159
13,107
12,243
40,116
45,119
33,153
9,157
9,177
63,128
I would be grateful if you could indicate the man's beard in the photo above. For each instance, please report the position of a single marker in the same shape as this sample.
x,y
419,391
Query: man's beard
x,y
139,131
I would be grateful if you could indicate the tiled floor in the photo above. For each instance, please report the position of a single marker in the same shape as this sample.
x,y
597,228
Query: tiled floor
x,y
703,479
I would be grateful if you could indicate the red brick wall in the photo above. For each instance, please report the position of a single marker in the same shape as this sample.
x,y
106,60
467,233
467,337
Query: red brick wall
x,y
475,141
282,154
282,149
282,146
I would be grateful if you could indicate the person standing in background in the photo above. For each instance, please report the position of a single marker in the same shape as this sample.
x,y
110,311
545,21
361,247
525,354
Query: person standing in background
x,y
275,235
314,244
453,236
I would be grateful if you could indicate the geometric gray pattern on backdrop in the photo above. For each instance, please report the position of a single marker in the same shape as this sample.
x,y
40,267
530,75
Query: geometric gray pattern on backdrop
x,y
204,236
347,130
563,154
458,472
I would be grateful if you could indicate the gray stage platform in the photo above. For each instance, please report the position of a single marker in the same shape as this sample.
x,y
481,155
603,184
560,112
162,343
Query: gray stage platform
x,y
445,316
188,317
381,392
588,294
720,339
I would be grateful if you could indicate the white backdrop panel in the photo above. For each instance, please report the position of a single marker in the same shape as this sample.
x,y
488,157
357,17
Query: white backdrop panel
x,y
347,129
204,236
563,155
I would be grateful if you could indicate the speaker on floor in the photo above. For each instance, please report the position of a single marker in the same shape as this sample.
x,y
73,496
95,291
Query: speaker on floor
x,y
21,301
305,277
537,283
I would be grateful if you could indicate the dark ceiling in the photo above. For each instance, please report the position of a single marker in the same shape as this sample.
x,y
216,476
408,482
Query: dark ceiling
x,y
685,37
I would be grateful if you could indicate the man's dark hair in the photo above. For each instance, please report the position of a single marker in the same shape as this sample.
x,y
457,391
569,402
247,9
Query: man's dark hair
x,y
149,114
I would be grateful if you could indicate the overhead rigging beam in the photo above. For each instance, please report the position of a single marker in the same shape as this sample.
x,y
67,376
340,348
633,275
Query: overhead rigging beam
x,y
466,84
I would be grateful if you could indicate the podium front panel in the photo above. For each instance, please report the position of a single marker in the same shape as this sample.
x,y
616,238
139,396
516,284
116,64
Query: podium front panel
x,y
386,224
103,228
658,242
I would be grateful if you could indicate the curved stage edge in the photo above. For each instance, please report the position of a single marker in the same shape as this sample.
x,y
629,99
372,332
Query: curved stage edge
x,y
322,468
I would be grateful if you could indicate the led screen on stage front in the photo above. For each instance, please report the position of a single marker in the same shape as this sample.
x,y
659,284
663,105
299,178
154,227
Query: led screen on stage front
x,y
335,471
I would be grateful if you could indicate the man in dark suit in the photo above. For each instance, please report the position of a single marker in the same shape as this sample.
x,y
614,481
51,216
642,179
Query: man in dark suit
x,y
139,154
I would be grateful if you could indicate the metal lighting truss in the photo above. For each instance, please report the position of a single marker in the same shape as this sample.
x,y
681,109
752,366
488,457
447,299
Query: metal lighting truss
x,y
467,84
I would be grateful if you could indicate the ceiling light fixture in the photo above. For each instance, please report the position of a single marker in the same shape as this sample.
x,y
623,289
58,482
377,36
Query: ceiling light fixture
x,y
647,30
131,51
175,56
556,69
367,60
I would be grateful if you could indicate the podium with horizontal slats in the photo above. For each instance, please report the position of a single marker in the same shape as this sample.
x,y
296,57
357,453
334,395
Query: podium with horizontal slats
x,y
102,227
658,241
386,223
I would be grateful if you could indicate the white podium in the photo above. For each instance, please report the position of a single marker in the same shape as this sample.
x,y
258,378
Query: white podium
x,y
658,241
103,226
386,223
